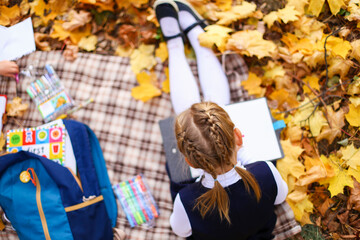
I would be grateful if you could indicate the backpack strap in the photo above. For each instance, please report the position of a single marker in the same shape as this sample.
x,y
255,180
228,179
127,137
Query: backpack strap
x,y
84,160
99,164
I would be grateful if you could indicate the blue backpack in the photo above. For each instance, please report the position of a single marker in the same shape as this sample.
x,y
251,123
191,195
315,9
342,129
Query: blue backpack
x,y
55,204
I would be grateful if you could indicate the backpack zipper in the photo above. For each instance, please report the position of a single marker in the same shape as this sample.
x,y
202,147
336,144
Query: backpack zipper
x,y
36,182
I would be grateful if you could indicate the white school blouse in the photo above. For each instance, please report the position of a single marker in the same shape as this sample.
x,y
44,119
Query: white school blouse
x,y
179,220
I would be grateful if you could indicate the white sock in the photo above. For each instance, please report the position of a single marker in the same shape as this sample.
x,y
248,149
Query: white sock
x,y
213,81
183,87
169,26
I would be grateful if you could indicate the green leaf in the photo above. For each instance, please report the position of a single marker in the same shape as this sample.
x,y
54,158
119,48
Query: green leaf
x,y
344,142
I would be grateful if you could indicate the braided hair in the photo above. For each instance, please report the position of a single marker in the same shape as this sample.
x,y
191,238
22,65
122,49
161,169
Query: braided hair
x,y
205,136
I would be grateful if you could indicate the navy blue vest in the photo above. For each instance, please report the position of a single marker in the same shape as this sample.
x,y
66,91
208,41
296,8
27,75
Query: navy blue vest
x,y
249,219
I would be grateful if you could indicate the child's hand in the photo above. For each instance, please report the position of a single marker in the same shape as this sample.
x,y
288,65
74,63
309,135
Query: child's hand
x,y
8,69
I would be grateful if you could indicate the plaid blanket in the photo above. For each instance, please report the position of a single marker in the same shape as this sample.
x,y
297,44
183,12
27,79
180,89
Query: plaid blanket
x,y
127,129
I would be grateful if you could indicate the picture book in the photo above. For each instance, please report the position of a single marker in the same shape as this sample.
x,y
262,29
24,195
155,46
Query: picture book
x,y
48,142
260,136
17,41
136,200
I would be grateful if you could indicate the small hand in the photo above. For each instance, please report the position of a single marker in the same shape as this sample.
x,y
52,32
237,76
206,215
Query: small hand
x,y
8,69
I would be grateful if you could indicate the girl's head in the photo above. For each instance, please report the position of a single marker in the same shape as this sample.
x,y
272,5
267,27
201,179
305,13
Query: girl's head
x,y
206,137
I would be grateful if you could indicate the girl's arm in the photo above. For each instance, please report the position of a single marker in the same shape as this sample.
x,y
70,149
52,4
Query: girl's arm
x,y
282,188
8,69
179,220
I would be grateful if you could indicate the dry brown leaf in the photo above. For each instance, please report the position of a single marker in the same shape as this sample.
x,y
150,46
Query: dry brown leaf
x,y
41,41
15,108
337,122
77,19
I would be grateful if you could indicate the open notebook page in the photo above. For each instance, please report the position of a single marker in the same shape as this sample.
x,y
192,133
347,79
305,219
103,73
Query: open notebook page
x,y
16,41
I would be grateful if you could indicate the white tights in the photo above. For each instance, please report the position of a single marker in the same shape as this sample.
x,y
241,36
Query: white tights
x,y
183,87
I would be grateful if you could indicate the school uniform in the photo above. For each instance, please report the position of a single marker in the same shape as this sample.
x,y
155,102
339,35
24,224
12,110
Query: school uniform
x,y
249,219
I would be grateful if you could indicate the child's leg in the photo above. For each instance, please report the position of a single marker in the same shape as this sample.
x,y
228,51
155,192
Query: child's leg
x,y
183,88
213,81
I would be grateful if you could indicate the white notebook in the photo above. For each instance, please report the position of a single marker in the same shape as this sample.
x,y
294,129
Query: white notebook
x,y
17,41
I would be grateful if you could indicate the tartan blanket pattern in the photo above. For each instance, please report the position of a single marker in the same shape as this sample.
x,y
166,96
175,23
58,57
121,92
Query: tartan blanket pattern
x,y
127,129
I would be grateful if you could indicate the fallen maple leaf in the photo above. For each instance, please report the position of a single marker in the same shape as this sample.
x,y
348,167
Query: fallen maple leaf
x,y
9,15
313,81
142,58
88,43
290,165
353,115
224,4
351,155
288,14
235,13
301,210
15,108
40,41
312,175
299,5
251,43
123,51
337,122
215,35
161,52
146,89
77,19
252,85
338,66
355,53
337,46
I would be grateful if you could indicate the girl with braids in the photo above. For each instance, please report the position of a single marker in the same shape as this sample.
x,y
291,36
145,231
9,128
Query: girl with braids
x,y
233,198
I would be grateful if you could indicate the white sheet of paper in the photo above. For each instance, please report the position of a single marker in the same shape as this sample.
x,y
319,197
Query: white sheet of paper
x,y
254,121
70,160
17,41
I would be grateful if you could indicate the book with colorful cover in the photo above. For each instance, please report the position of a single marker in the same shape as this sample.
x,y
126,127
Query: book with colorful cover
x,y
136,200
48,142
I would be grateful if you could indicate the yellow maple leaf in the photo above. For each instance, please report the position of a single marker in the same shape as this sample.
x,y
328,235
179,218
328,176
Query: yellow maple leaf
x,y
88,43
215,35
294,133
162,52
272,70
251,43
306,116
288,14
301,208
353,116
313,82
335,5
336,45
252,85
355,173
299,5
224,4
123,52
355,52
244,10
337,122
290,165
338,182
270,18
315,7
143,58
166,83
355,101
354,87
43,10
146,89
351,155
9,15
75,36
